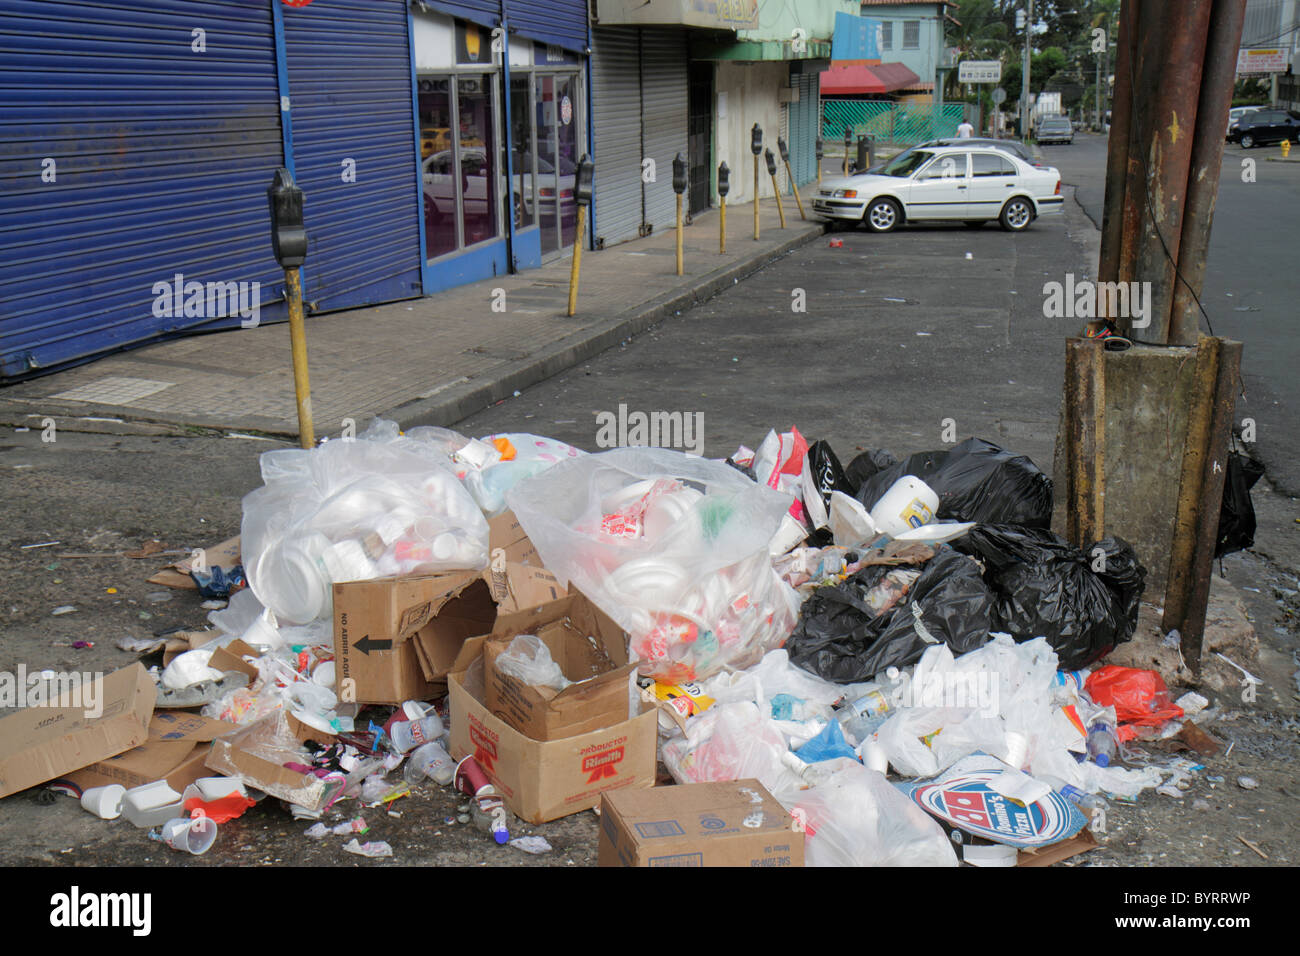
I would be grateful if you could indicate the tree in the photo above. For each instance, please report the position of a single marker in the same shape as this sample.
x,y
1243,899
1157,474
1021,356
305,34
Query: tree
x,y
981,35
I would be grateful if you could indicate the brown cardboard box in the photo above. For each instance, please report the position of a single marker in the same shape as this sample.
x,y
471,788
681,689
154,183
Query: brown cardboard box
x,y
177,747
565,627
737,823
395,637
506,534
1081,842
544,780
40,743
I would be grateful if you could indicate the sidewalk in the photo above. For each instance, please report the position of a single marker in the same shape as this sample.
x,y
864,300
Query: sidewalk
x,y
429,361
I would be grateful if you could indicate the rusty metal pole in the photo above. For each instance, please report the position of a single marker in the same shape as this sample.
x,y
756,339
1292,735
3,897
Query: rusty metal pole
x,y
1200,494
1085,440
1167,158
1207,156
1117,149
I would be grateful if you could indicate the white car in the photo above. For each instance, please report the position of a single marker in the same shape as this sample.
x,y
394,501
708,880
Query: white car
x,y
973,185
1234,117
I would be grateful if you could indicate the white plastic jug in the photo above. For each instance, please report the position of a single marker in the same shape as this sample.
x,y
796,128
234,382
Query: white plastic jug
x,y
909,503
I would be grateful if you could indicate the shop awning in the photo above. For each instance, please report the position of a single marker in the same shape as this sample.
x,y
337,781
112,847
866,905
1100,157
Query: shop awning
x,y
859,79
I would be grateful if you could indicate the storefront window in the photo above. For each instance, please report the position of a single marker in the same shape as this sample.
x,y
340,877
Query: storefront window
x,y
478,159
438,167
557,158
523,187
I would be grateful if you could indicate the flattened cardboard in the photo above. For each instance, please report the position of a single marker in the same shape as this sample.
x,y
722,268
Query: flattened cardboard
x,y
224,555
256,755
545,780
566,628
40,743
1081,842
736,823
175,751
231,658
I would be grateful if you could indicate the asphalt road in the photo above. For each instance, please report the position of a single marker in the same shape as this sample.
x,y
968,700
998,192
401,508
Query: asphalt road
x,y
1252,285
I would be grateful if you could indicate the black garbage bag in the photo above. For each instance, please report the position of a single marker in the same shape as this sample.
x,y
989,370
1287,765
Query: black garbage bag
x,y
975,481
1084,602
1237,513
840,639
866,465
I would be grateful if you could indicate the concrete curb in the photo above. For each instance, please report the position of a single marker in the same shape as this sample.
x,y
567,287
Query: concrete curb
x,y
461,401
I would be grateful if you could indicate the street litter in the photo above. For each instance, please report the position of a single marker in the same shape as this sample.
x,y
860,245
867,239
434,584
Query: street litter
x,y
885,663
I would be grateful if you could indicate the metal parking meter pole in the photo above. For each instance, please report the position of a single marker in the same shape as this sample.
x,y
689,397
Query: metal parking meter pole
x,y
582,193
724,187
864,154
679,187
289,243
821,152
776,190
848,144
756,147
784,150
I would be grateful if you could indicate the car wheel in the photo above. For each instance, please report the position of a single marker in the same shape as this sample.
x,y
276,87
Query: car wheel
x,y
1247,141
1017,214
882,215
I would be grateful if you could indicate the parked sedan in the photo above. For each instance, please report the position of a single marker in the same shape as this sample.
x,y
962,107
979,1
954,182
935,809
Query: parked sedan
x,y
968,184
1266,126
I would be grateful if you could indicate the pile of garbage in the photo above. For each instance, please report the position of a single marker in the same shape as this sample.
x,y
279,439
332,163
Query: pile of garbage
x,y
895,652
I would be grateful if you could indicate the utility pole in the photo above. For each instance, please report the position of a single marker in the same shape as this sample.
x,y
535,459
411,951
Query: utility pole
x,y
1024,73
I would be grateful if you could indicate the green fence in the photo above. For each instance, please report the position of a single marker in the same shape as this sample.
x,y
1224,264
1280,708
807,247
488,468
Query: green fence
x,y
902,123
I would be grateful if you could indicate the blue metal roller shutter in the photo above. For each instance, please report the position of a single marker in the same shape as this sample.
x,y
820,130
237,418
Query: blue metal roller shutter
x,y
484,12
803,128
350,98
162,156
559,22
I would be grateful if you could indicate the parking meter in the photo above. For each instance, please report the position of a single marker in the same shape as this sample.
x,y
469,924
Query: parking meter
x,y
771,163
821,150
724,180
679,174
783,149
586,176
756,140
288,234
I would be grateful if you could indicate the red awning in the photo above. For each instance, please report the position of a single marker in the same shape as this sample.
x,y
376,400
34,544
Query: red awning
x,y
877,78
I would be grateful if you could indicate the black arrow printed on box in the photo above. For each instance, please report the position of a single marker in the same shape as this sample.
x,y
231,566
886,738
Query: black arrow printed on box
x,y
366,644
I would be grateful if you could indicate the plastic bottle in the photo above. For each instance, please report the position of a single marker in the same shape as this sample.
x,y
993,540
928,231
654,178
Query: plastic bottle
x,y
409,734
430,761
864,716
1103,746
488,812
1080,798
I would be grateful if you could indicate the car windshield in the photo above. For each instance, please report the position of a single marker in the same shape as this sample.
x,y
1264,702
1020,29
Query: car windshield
x,y
1055,124
906,163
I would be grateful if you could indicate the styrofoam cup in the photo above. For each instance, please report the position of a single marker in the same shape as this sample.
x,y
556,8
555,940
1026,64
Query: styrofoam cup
x,y
194,835
104,802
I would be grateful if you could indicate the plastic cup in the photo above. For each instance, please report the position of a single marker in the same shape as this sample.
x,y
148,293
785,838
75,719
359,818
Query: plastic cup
x,y
104,802
194,836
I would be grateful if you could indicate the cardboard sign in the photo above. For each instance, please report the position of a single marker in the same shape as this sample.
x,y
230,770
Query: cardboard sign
x,y
736,823
964,797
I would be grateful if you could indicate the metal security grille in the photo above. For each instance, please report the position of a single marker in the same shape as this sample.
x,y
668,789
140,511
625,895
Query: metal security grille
x,y
616,118
350,89
664,118
132,150
901,123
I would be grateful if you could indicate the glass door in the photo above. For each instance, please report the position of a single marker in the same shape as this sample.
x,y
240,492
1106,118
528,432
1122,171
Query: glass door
x,y
556,107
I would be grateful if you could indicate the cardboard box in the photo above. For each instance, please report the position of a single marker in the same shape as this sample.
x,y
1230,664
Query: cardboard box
x,y
1081,842
175,751
566,627
737,823
395,637
40,743
544,780
506,534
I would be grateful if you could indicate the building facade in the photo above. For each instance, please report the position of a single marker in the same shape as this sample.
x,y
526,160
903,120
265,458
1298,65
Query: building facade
x,y
912,33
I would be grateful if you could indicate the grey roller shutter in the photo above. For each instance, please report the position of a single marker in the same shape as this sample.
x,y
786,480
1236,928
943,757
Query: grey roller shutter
x,y
616,117
803,128
664,111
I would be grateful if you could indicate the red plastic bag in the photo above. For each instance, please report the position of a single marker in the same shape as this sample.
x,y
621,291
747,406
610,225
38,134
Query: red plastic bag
x,y
1139,697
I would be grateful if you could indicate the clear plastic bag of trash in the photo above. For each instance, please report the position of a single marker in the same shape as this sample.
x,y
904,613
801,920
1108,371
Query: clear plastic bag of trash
x,y
732,742
673,548
529,659
857,818
530,455
381,504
